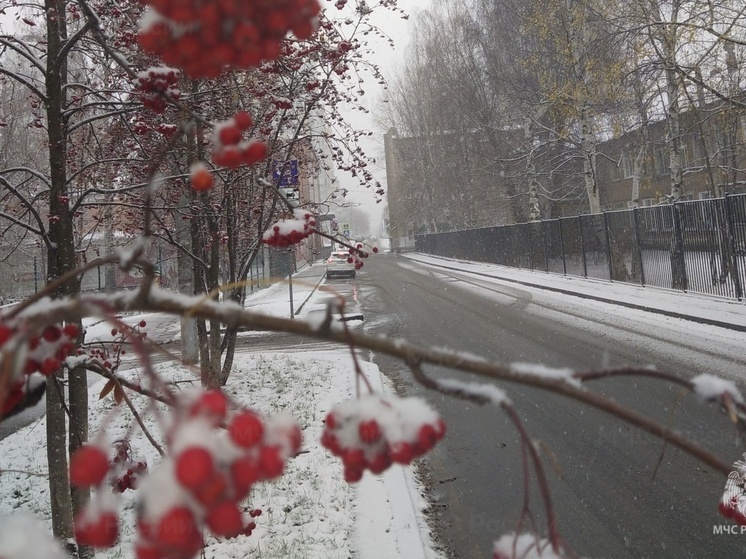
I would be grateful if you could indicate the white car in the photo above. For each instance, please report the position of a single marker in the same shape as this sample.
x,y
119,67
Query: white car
x,y
337,265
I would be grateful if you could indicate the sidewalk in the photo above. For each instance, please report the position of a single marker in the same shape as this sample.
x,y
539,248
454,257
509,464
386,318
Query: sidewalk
x,y
389,522
714,311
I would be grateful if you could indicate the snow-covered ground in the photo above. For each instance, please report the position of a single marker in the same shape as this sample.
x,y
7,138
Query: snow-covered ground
x,y
702,308
310,511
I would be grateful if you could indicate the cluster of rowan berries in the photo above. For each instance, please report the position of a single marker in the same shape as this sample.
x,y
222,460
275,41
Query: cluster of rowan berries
x,y
230,151
96,524
376,431
215,456
155,83
205,37
104,355
290,231
126,469
208,473
33,354
357,255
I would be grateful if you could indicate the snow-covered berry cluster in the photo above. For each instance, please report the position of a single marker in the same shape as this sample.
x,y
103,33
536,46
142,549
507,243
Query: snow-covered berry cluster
x,y
97,524
30,355
733,502
126,469
154,83
357,255
230,151
214,457
290,231
203,37
375,431
209,471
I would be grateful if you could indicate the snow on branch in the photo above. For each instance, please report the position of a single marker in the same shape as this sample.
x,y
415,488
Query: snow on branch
x,y
484,392
542,371
711,387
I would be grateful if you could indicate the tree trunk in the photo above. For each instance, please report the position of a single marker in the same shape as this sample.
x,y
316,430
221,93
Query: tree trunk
x,y
78,395
60,259
589,162
59,483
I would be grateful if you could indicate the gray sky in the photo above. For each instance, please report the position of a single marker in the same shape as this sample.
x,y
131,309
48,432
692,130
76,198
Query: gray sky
x,y
388,59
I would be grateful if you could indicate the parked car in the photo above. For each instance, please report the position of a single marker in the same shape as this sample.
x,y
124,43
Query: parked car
x,y
337,265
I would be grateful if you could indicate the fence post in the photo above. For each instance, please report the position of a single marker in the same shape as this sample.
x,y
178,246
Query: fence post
x,y
562,245
546,249
530,247
678,261
638,245
730,229
582,246
608,246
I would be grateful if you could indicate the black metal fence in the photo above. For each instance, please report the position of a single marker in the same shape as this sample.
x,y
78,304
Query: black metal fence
x,y
697,246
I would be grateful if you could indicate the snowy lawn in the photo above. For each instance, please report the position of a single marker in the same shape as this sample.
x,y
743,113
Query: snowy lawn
x,y
309,512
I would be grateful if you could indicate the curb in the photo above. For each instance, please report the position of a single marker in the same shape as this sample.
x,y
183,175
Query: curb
x,y
315,287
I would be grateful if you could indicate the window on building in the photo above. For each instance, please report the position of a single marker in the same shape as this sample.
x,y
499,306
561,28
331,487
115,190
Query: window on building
x,y
698,156
628,166
662,161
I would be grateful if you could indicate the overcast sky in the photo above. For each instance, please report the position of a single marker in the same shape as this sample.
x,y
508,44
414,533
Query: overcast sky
x,y
388,59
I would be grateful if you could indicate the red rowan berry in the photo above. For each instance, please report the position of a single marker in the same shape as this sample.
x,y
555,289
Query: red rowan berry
x,y
100,531
401,453
212,404
271,462
212,492
147,551
369,431
255,152
353,474
52,333
201,179
243,120
50,366
244,474
178,529
229,135
225,520
246,429
228,156
380,463
88,466
194,467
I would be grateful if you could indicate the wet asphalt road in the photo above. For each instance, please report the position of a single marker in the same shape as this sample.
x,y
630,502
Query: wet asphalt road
x,y
607,501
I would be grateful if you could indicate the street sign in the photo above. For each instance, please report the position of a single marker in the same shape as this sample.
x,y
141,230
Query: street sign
x,y
345,227
285,173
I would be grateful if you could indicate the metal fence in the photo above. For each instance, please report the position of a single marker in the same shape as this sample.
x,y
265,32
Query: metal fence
x,y
697,246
